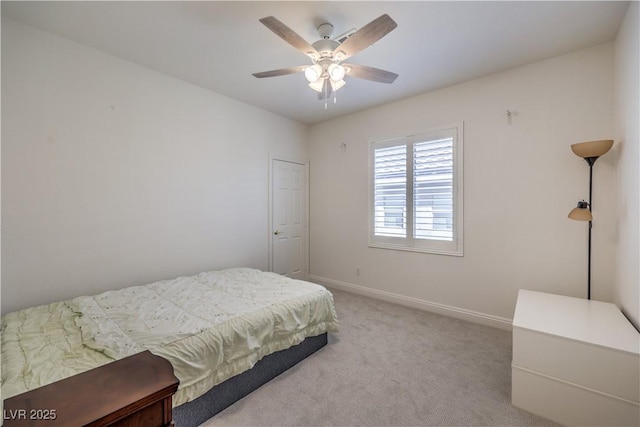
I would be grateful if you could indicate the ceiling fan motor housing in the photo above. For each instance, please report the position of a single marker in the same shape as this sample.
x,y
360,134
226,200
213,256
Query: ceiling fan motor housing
x,y
325,47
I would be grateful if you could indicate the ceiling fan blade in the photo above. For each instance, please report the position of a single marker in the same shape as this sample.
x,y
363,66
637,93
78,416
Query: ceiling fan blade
x,y
326,90
290,36
281,72
365,37
370,73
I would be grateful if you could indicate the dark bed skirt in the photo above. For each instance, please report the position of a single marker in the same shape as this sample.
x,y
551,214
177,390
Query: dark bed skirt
x,y
196,412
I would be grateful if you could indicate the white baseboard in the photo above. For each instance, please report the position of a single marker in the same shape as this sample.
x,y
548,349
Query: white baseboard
x,y
447,310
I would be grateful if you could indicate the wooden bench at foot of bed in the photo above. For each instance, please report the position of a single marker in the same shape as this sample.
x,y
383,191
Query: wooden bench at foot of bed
x,y
134,391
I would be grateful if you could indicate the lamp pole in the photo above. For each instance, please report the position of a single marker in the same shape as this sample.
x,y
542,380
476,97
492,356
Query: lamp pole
x,y
590,161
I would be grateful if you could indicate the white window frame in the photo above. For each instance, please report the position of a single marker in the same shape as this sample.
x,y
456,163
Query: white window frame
x,y
409,243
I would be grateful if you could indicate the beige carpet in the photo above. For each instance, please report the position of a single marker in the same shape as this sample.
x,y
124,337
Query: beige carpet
x,y
391,366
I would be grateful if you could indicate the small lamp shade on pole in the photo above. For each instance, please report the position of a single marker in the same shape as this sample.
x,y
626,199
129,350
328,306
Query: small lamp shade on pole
x,y
581,212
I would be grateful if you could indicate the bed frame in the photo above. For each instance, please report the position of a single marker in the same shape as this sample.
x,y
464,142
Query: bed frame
x,y
230,391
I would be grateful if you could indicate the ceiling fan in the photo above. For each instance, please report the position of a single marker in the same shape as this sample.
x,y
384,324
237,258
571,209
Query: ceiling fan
x,y
327,72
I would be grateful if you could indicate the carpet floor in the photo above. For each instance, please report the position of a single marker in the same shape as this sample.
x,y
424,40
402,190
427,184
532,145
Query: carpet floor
x,y
391,366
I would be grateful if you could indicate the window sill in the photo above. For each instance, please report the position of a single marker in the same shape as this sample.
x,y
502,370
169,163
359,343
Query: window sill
x,y
458,253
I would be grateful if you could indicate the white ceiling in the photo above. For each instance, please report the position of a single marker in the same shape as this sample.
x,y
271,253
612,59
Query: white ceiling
x,y
219,44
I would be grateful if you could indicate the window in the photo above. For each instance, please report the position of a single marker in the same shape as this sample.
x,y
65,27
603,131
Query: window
x,y
416,192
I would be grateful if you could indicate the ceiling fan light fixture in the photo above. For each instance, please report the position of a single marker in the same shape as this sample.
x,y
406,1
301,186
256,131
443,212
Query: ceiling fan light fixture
x,y
336,72
335,85
317,85
313,73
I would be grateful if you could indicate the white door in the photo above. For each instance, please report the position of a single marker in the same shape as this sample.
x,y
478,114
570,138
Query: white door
x,y
288,219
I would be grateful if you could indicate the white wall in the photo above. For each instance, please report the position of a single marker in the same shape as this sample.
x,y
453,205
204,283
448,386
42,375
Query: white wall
x,y
520,182
627,132
115,175
1,400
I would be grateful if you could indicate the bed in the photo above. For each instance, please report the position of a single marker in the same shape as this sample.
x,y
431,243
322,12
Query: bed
x,y
213,328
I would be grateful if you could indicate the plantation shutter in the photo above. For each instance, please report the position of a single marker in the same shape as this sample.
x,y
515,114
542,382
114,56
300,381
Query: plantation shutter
x,y
416,192
390,191
433,189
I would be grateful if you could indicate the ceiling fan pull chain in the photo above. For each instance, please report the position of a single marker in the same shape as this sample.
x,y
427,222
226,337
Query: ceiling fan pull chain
x,y
326,92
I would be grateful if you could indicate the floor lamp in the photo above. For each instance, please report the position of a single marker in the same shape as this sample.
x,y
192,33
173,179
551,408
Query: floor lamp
x,y
590,151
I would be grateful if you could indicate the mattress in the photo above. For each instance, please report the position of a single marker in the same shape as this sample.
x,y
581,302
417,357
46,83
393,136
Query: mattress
x,y
210,327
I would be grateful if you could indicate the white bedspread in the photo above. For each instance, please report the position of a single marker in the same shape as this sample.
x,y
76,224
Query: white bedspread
x,y
211,326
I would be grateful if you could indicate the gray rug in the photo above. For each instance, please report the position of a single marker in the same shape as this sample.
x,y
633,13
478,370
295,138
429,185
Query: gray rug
x,y
391,366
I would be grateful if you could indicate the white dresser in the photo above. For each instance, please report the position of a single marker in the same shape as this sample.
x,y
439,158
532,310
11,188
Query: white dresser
x,y
575,361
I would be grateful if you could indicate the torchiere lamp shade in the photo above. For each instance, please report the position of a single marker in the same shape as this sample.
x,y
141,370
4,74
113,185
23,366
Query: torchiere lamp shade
x,y
592,148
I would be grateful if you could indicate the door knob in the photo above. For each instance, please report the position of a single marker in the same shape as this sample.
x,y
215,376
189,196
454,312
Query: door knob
x,y
276,232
